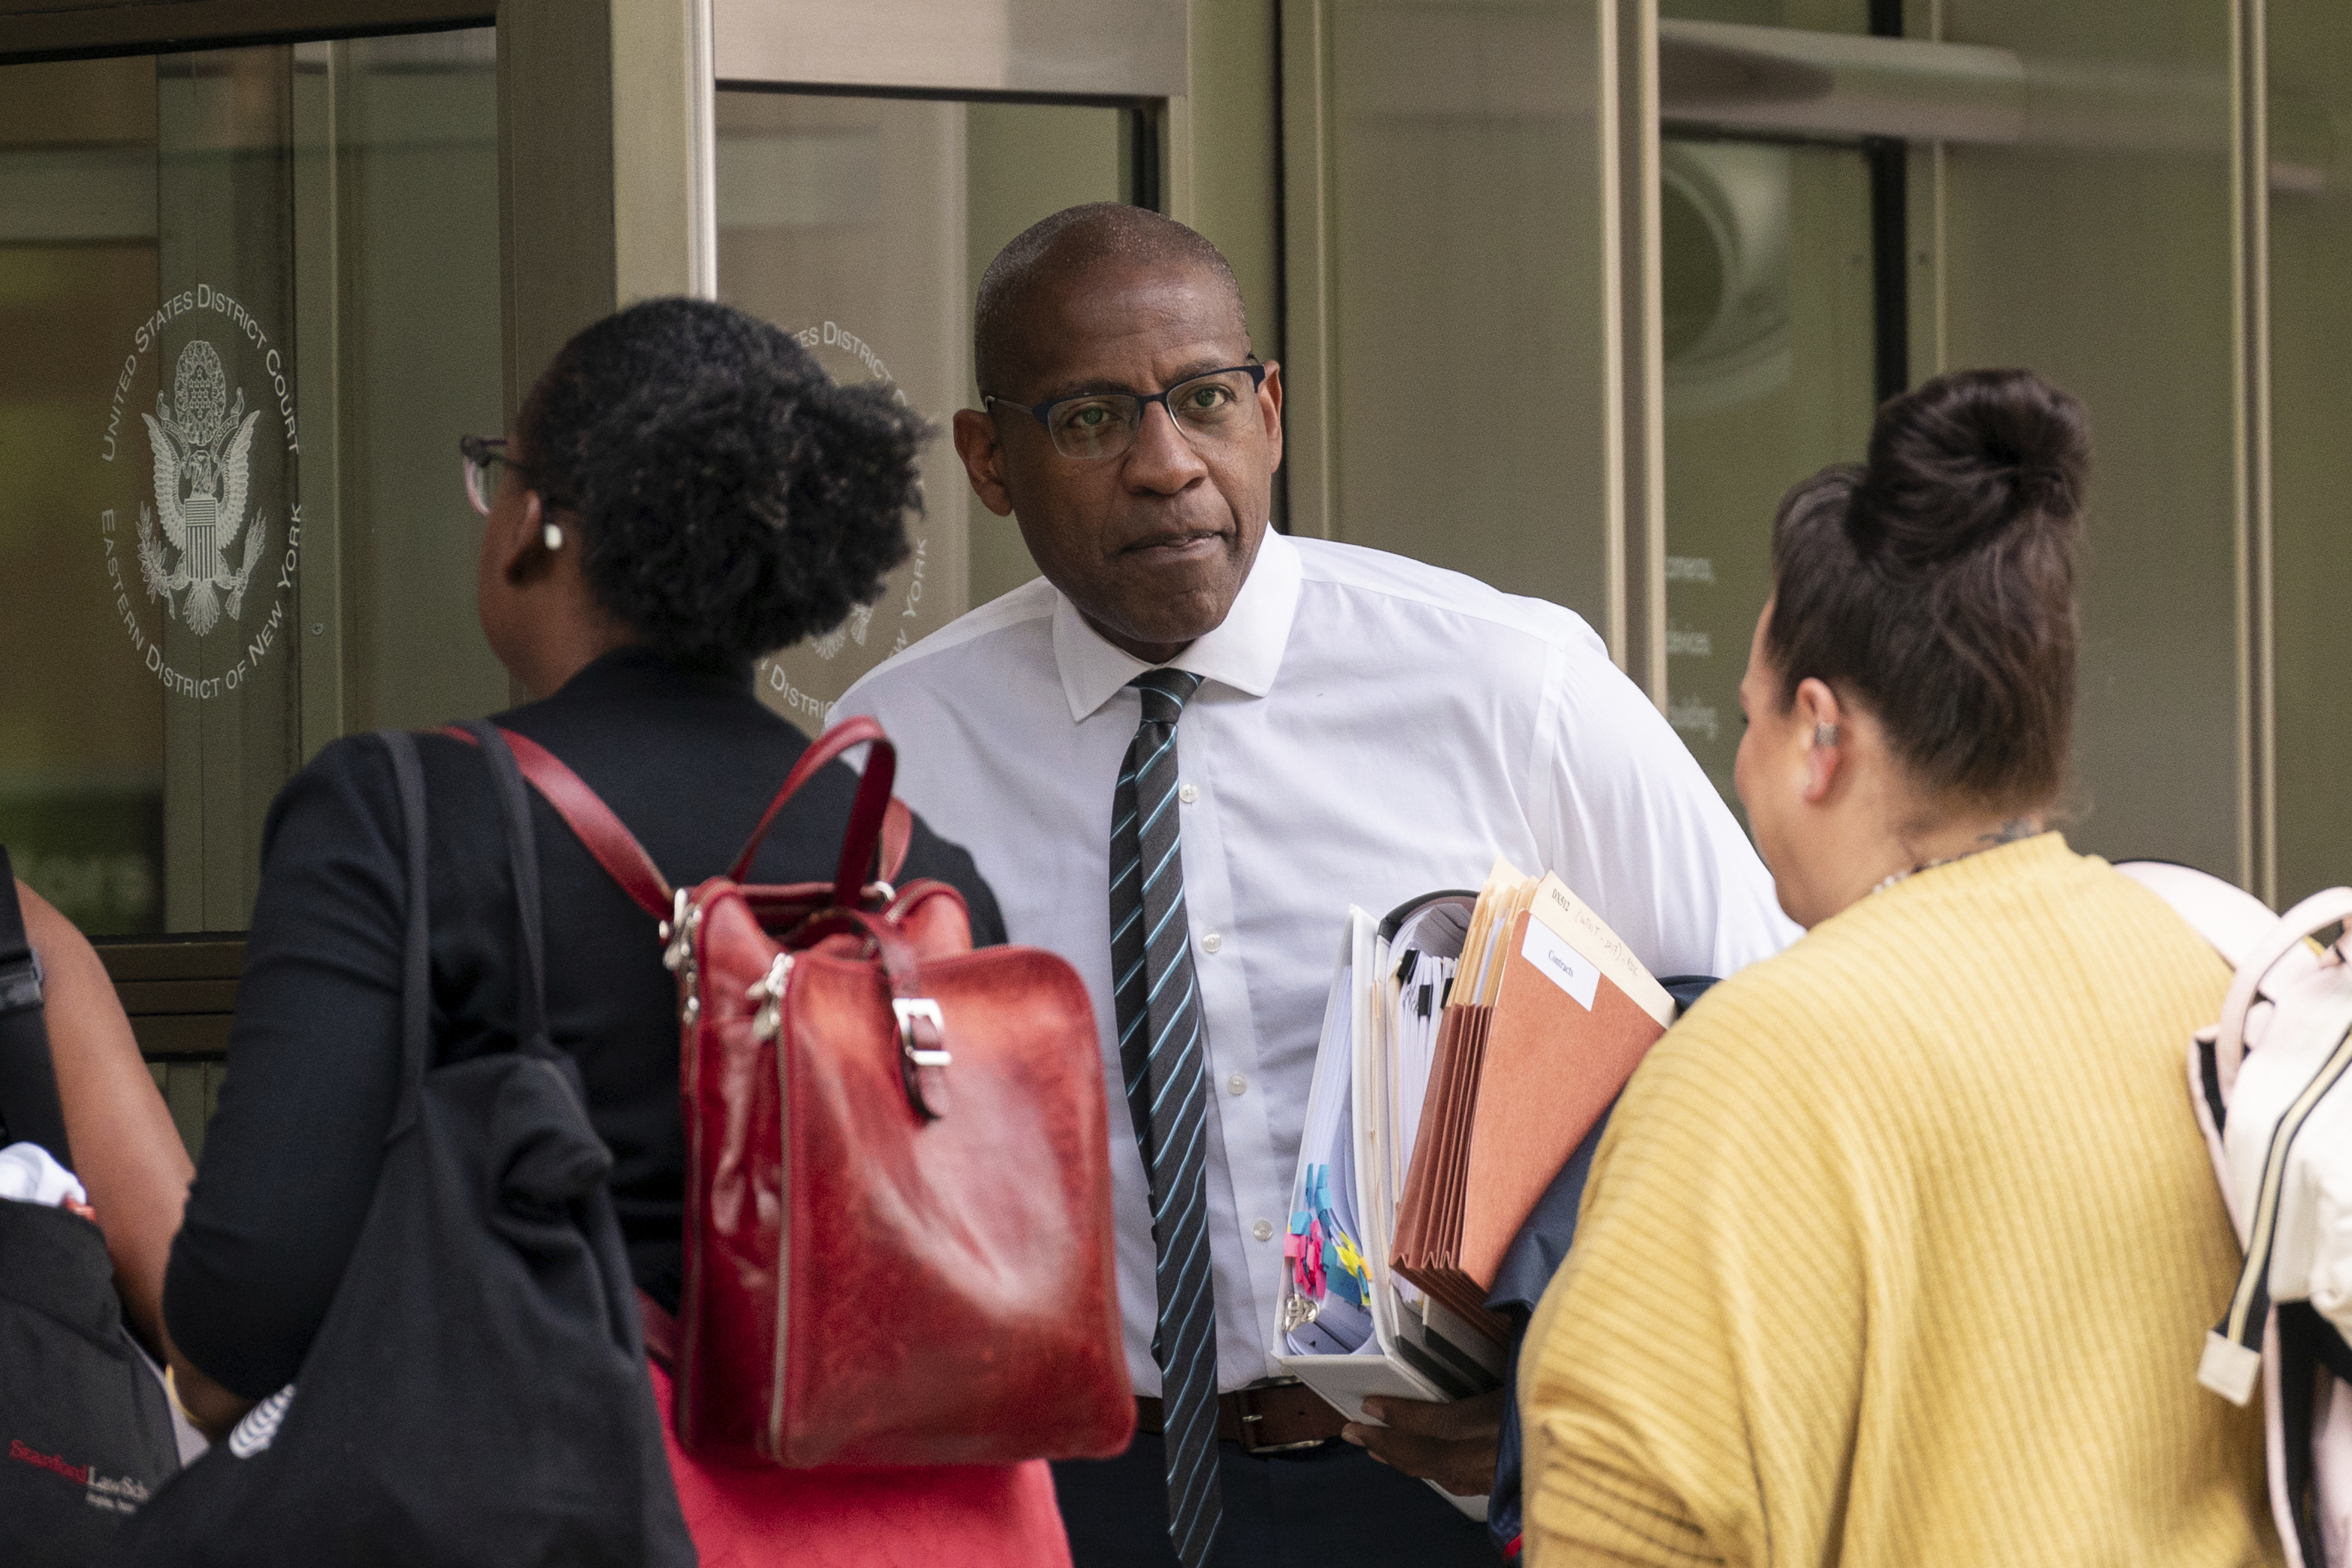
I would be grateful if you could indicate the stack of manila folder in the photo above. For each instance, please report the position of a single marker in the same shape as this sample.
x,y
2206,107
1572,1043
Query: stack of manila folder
x,y
1470,1043
1555,1015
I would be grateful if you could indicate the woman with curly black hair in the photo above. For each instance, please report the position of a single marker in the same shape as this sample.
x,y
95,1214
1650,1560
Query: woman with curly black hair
x,y
728,499
684,491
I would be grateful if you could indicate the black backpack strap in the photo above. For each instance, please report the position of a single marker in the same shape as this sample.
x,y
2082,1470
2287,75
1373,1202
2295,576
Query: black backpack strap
x,y
523,856
2300,1328
29,1108
416,967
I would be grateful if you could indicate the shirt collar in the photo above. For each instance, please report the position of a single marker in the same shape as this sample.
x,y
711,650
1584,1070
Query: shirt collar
x,y
1244,652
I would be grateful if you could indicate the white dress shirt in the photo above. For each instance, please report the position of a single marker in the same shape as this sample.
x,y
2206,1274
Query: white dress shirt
x,y
1368,729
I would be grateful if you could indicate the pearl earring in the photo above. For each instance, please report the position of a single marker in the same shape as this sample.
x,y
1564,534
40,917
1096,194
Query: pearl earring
x,y
553,536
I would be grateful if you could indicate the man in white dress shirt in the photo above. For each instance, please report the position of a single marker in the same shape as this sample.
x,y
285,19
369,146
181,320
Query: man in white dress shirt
x,y
1274,728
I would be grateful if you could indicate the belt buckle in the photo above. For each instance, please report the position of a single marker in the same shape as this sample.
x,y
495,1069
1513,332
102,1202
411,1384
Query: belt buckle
x,y
1248,1399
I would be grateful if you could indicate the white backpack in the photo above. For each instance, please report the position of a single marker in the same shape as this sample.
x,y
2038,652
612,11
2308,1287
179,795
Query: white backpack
x,y
2271,1084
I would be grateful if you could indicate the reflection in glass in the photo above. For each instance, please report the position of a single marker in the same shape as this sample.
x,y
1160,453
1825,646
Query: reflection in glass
x,y
412,303
863,225
1769,359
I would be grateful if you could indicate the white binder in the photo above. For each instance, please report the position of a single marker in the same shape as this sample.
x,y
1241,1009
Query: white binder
x,y
1359,1136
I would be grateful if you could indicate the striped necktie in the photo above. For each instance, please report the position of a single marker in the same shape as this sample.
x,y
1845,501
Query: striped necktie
x,y
1160,1048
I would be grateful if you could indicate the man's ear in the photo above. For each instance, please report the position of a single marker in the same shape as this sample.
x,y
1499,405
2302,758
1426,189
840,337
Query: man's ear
x,y
522,553
1822,731
1269,405
983,459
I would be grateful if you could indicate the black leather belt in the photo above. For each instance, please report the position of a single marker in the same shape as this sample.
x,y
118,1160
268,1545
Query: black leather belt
x,y
1279,1416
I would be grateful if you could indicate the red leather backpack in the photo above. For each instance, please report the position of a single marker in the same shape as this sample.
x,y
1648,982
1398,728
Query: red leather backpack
x,y
898,1244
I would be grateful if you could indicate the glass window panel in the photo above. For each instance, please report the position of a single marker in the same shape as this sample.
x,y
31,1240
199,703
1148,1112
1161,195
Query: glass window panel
x,y
80,801
1770,354
260,287
1022,161
863,225
417,334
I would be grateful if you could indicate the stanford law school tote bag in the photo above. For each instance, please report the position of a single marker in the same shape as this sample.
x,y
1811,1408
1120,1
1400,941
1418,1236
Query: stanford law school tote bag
x,y
85,1434
478,1392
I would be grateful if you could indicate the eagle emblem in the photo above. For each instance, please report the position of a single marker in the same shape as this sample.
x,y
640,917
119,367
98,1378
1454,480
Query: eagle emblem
x,y
833,641
203,469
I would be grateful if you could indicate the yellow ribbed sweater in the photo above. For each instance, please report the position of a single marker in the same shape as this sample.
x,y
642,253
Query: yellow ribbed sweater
x,y
1901,1249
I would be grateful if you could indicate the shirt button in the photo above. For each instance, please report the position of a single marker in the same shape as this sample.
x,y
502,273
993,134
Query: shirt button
x,y
1238,1084
1211,942
1188,794
1263,1230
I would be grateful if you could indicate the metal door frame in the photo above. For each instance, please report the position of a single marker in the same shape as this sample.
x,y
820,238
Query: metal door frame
x,y
1133,54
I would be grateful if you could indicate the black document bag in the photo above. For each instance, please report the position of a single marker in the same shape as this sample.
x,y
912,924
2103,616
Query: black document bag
x,y
478,1392
85,1436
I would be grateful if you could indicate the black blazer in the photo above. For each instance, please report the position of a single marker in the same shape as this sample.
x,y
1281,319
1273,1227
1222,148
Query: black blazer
x,y
688,761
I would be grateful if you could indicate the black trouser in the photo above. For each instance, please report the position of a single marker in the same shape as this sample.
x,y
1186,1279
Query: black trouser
x,y
1308,1509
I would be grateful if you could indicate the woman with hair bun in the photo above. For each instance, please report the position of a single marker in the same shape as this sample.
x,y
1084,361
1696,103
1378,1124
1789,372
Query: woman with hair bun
x,y
1902,1247
682,491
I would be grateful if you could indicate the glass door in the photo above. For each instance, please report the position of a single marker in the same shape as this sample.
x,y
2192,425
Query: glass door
x,y
255,295
1770,340
1780,333
2082,182
861,225
869,163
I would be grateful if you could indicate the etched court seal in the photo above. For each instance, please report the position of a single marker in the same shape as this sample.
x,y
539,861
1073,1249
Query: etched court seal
x,y
205,541
203,467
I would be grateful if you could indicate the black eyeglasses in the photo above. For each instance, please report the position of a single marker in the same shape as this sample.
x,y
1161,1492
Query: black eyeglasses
x,y
482,455
1207,408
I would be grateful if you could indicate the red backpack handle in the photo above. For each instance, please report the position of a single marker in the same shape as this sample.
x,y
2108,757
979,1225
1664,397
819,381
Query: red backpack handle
x,y
617,850
866,815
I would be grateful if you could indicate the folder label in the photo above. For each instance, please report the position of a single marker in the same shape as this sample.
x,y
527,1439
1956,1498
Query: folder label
x,y
1561,963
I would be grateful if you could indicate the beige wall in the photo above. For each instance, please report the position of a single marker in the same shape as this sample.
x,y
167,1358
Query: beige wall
x,y
2108,270
2311,343
1448,181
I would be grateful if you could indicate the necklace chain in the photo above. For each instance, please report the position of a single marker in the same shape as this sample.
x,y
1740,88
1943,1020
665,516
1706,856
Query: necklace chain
x,y
2015,830
1893,877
